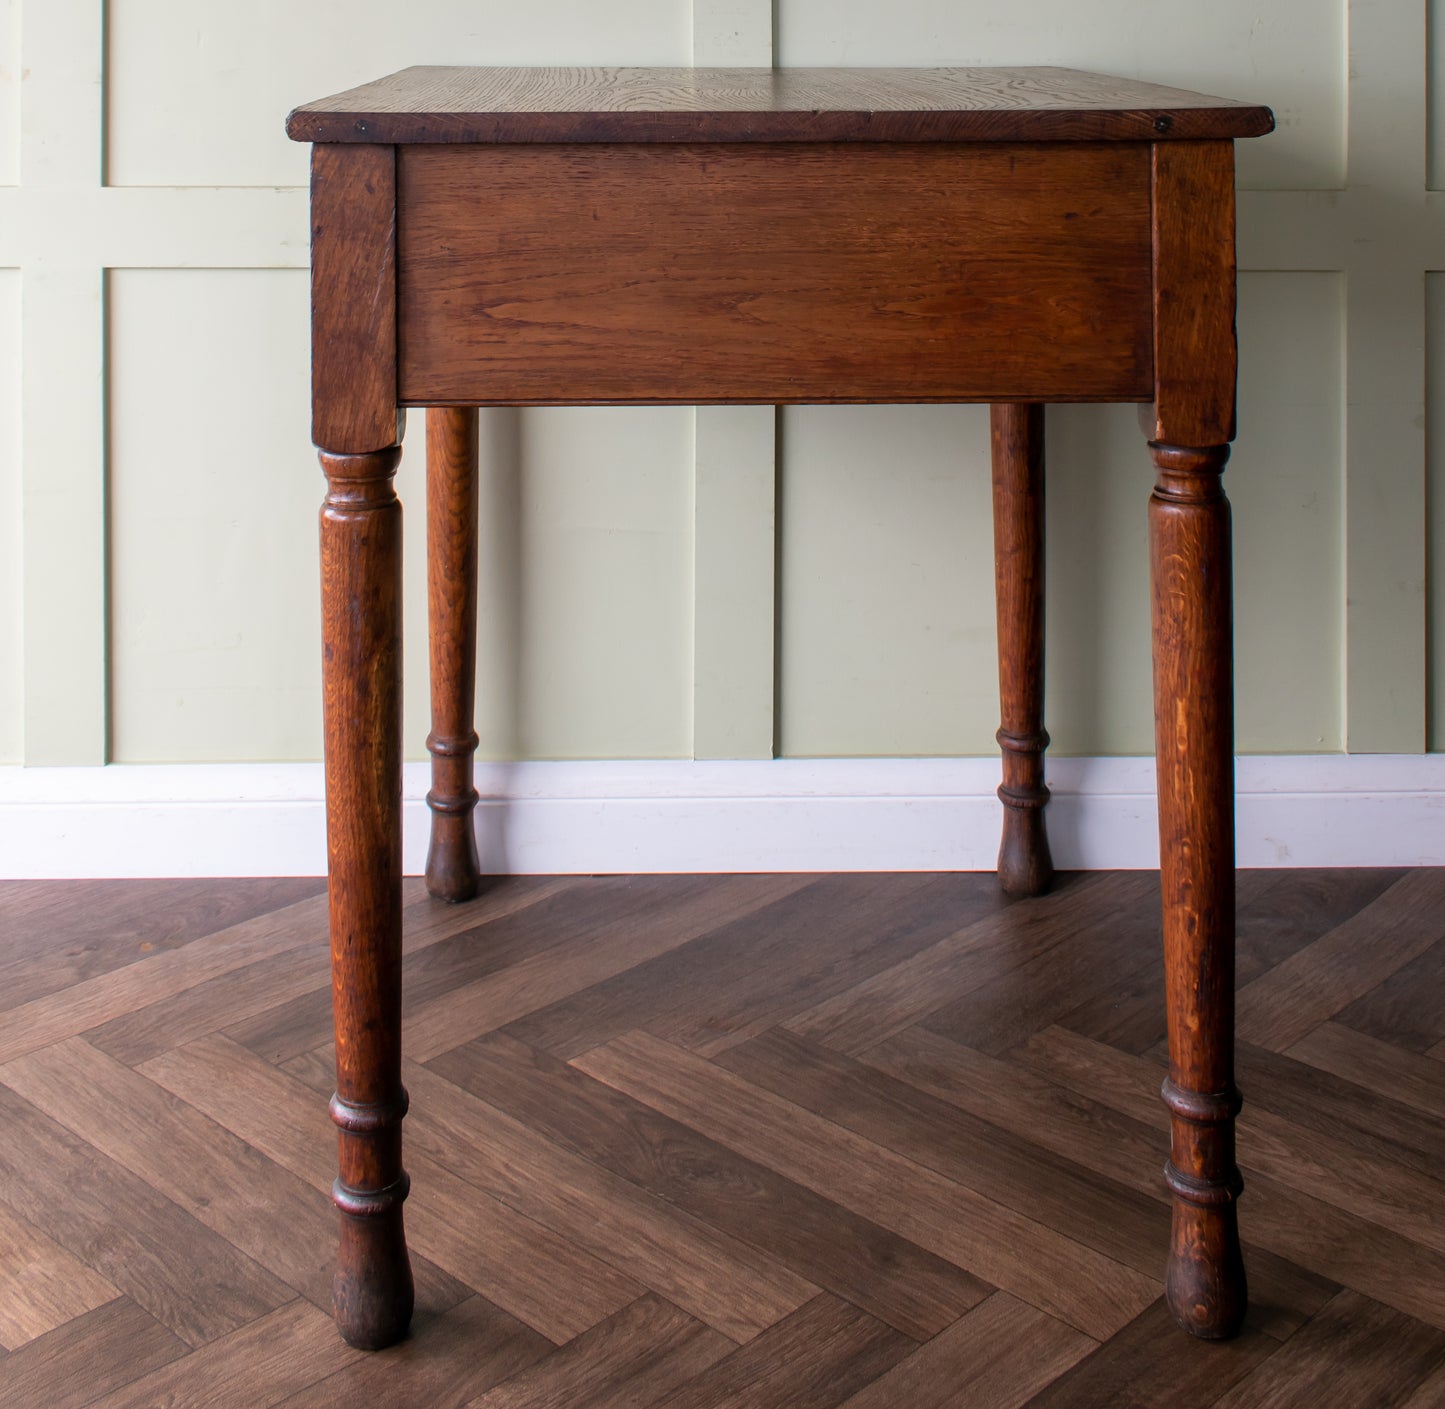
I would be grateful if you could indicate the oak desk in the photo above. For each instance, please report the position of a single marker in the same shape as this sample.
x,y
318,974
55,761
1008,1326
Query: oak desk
x,y
519,236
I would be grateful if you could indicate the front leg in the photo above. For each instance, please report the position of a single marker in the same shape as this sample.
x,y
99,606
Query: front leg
x,y
361,635
1194,732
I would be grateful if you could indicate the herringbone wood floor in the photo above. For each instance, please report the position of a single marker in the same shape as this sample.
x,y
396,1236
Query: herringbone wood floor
x,y
748,1140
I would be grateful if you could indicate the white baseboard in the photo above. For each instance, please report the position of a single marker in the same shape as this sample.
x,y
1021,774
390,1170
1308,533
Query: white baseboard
x,y
790,815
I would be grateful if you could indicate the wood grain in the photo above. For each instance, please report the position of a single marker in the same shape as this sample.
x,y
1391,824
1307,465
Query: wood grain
x,y
1001,1354
453,871
353,299
717,1280
42,1286
1195,357
1016,435
632,1358
440,104
87,1357
1008,1249
569,1214
914,1290
774,274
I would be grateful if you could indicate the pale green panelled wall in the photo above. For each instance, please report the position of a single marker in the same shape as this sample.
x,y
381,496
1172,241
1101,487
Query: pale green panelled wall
x,y
11,734
169,256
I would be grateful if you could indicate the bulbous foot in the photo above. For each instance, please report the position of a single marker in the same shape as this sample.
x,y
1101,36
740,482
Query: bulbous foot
x,y
1204,1283
453,869
1025,867
372,1295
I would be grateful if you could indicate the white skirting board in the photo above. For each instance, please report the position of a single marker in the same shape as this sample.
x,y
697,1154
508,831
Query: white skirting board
x,y
790,815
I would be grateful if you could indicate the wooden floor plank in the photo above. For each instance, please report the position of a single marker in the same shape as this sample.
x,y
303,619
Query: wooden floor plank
x,y
77,1363
1324,1237
1100,953
1000,1355
145,1032
1123,1224
1354,1352
258,1364
910,1289
814,1359
1116,1146
108,995
42,1286
1385,1070
768,966
223,1182
1295,1155
1088,1290
1408,1009
726,1284
1386,1128
1280,912
607,947
445,1362
1151,1365
187,1277
963,961
552,1285
60,934
629,1361
1314,983
304,1021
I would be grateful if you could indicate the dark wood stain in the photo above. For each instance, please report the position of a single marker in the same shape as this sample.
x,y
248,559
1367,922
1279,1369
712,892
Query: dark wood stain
x,y
439,104
205,1228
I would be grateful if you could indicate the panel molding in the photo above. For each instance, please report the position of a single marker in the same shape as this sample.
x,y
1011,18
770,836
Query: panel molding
x,y
735,462
786,815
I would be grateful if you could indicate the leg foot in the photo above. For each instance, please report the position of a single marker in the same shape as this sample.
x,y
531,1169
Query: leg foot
x,y
372,1293
1204,1282
453,871
1025,866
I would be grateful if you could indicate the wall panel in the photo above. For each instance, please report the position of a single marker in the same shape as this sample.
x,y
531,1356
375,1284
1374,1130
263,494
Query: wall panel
x,y
1435,88
197,94
1286,480
584,631
1435,498
11,653
1289,56
9,92
214,490
885,581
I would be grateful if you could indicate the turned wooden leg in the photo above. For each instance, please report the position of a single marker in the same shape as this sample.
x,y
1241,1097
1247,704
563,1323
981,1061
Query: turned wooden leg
x,y
1024,864
1194,732
453,871
361,634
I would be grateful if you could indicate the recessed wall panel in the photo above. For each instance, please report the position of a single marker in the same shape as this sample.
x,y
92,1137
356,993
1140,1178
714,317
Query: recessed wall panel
x,y
1435,81
885,566
1286,482
584,623
9,92
1288,56
197,94
1435,499
214,490
11,660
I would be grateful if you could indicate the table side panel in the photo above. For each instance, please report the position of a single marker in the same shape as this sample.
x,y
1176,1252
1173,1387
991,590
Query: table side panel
x,y
770,273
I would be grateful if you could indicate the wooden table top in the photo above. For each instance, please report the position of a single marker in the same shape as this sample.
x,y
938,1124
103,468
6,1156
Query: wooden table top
x,y
440,104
